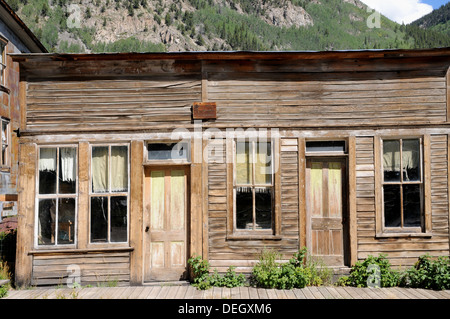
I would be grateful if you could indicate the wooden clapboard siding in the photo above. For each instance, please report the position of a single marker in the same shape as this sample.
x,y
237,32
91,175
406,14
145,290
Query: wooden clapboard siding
x,y
327,98
111,104
52,269
243,253
402,251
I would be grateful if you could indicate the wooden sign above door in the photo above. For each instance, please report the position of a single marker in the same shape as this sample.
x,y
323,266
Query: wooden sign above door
x,y
204,111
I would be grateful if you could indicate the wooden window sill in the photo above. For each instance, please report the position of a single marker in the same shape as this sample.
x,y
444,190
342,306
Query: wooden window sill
x,y
403,235
79,251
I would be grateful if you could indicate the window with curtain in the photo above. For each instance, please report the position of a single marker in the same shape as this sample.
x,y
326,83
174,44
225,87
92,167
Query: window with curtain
x,y
402,183
109,194
5,142
56,195
253,185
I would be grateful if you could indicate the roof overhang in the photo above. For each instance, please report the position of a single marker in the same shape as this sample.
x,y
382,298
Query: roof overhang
x,y
13,21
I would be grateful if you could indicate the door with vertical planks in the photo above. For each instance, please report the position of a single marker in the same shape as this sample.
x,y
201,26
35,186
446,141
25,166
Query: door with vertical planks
x,y
166,224
326,209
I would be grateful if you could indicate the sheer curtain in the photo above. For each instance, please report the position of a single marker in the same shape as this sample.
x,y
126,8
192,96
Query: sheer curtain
x,y
67,162
47,159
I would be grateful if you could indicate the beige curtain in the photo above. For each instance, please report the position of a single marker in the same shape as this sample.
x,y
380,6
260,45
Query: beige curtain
x,y
119,168
262,161
391,155
99,169
243,163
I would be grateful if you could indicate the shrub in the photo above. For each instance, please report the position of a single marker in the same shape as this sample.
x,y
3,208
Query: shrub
x,y
299,272
202,279
374,271
429,273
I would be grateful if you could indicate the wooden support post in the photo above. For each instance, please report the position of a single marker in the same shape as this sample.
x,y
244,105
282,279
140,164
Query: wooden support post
x,y
205,211
448,94
83,195
25,216
23,105
136,212
196,204
302,191
353,235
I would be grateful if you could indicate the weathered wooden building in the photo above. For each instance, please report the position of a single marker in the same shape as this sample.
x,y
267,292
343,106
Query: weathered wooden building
x,y
132,163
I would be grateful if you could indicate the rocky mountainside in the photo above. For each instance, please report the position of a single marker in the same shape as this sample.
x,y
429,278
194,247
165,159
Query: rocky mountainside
x,y
205,25
438,20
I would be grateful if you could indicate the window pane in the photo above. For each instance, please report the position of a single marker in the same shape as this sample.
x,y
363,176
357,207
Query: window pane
x,y
243,163
411,160
67,170
392,205
391,161
99,219
411,205
119,219
325,146
100,169
263,165
4,142
47,171
263,206
244,208
167,151
119,168
66,220
46,221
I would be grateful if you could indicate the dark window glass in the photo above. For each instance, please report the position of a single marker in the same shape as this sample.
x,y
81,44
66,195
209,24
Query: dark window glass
x,y
411,205
325,146
119,219
244,208
263,205
167,151
99,219
66,220
47,171
392,213
46,221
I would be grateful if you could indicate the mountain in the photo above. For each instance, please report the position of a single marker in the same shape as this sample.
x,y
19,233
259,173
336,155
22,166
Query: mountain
x,y
216,25
437,20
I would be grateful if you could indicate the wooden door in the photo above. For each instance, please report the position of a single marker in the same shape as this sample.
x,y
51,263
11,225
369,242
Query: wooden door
x,y
326,209
166,224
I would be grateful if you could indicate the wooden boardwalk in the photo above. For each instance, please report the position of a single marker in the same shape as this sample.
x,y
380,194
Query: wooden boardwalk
x,y
190,292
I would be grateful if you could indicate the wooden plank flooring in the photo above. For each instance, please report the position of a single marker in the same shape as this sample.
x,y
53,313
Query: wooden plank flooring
x,y
189,292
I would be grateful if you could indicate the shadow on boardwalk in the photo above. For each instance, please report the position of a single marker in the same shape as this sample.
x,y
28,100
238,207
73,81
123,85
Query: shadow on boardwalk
x,y
190,292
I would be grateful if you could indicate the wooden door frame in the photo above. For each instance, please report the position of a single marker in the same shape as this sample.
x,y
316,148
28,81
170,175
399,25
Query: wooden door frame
x,y
346,203
146,212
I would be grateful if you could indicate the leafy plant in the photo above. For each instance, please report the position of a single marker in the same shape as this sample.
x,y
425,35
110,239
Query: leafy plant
x,y
300,271
202,279
429,273
374,271
4,274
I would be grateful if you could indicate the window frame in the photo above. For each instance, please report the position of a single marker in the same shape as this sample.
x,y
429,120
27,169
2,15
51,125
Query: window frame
x,y
109,194
3,66
424,230
7,164
56,196
272,233
170,161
